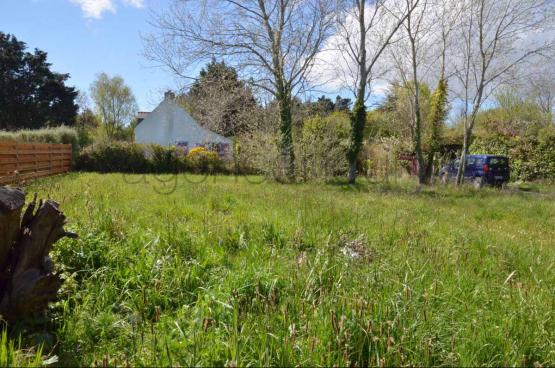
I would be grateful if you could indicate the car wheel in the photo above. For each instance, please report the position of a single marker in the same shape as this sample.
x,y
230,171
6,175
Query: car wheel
x,y
478,182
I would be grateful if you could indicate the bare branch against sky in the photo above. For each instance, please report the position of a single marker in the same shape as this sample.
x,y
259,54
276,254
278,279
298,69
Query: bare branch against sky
x,y
264,40
497,37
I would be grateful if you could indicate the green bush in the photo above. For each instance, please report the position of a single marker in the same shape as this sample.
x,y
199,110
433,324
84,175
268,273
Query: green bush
x,y
544,157
166,159
114,157
531,157
258,153
322,147
135,158
320,150
201,160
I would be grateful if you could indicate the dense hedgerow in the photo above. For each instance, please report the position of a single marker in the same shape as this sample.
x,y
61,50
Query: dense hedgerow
x,y
531,157
320,150
135,158
165,159
322,145
114,157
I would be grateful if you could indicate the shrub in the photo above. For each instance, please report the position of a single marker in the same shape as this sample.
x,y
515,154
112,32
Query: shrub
x,y
114,157
135,158
544,153
380,158
531,156
201,160
166,159
320,150
322,147
258,153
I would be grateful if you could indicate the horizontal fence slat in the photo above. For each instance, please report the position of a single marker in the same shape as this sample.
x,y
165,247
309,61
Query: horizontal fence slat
x,y
4,151
35,146
22,170
40,174
26,160
8,161
62,146
7,180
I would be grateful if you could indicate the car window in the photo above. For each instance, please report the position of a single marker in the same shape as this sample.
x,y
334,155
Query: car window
x,y
480,162
470,161
498,161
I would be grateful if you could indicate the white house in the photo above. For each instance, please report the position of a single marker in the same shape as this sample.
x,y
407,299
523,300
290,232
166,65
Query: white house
x,y
170,125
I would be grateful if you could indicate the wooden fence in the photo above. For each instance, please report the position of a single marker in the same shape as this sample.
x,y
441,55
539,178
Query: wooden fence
x,y
23,161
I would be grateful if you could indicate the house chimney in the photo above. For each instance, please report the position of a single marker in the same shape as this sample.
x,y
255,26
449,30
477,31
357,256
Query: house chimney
x,y
169,96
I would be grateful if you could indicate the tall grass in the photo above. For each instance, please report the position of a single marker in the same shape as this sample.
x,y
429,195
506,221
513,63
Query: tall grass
x,y
12,355
191,270
61,134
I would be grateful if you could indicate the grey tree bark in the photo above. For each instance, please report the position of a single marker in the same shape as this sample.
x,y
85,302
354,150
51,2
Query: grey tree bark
x,y
27,279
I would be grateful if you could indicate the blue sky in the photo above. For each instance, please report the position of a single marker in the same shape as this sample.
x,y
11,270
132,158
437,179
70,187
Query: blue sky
x,y
86,37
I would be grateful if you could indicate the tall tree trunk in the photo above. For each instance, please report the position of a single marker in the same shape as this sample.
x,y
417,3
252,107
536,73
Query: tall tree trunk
x,y
358,115
286,132
417,108
358,122
418,128
418,140
467,140
464,153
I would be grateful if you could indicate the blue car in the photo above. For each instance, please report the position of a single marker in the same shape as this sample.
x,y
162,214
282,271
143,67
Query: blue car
x,y
480,170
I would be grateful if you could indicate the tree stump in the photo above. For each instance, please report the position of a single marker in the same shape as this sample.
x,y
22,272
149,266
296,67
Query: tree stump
x,y
27,280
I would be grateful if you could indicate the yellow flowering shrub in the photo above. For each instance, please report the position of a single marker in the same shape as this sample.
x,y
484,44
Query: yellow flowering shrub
x,y
202,159
201,151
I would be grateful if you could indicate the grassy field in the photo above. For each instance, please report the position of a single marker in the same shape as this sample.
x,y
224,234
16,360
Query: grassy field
x,y
231,271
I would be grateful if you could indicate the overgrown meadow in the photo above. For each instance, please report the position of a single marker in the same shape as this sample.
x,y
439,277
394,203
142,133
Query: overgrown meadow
x,y
192,270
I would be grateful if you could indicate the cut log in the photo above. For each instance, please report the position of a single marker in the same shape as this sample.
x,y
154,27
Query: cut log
x,y
27,280
11,203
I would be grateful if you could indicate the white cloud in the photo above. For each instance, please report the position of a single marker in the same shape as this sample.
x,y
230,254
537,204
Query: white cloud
x,y
135,3
96,8
334,68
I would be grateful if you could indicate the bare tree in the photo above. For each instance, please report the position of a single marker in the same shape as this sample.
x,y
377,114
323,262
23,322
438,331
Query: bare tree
x,y
272,43
497,36
366,29
542,91
423,43
417,33
227,111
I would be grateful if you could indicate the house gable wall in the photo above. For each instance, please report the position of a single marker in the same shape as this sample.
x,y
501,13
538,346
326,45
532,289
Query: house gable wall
x,y
169,124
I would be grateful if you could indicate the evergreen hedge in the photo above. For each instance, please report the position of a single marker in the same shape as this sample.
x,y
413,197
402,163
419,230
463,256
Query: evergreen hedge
x,y
126,157
532,157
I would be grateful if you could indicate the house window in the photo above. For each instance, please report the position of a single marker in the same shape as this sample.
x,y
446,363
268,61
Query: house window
x,y
223,149
183,146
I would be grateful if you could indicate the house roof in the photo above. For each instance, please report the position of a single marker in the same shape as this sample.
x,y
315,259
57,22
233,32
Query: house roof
x,y
169,123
